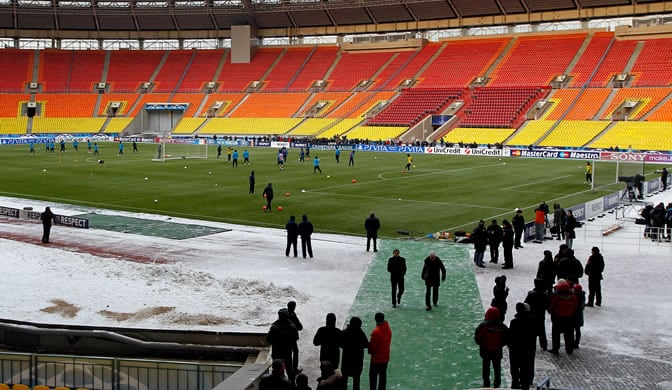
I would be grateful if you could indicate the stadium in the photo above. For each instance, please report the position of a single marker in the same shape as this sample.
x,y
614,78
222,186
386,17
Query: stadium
x,y
499,104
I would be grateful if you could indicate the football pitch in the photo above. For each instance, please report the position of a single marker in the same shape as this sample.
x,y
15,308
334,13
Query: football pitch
x,y
439,193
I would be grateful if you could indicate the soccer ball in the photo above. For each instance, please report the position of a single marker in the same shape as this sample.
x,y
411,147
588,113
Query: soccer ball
x,y
354,181
287,194
279,208
328,176
146,178
264,207
209,172
156,201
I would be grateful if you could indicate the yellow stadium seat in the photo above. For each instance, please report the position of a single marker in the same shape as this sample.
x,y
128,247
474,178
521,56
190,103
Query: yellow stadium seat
x,y
19,386
62,388
3,386
41,387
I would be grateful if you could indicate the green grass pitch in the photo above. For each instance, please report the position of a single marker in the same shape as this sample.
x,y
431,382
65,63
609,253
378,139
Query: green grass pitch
x,y
439,193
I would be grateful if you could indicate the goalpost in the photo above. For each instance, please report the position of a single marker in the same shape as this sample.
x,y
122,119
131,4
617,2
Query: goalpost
x,y
177,149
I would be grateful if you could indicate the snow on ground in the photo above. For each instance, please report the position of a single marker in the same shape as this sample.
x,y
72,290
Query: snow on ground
x,y
237,280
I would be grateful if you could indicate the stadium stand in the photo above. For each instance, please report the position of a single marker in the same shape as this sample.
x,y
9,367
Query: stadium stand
x,y
313,126
331,101
228,100
193,99
243,126
574,133
353,68
530,133
13,125
637,135
188,125
392,69
285,70
270,105
359,104
314,69
588,104
586,65
202,70
416,63
67,125
172,70
376,133
663,113
55,69
413,105
117,125
17,69
481,136
67,105
127,70
614,63
536,60
86,70
654,65
500,106
339,128
127,101
562,99
245,74
148,98
648,98
10,104
461,61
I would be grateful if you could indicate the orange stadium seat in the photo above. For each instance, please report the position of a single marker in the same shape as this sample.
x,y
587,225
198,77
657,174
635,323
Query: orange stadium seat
x,y
270,105
613,64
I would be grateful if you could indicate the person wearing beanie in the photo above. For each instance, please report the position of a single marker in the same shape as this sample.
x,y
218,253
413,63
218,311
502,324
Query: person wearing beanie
x,y
491,336
494,239
282,338
379,349
479,236
594,269
371,225
522,347
330,340
562,307
354,344
538,300
518,222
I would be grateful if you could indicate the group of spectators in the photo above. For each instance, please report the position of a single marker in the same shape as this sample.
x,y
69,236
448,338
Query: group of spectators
x,y
341,353
658,221
556,291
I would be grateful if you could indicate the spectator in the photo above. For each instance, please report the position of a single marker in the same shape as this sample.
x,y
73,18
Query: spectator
x,y
354,344
276,379
522,347
372,224
292,235
570,225
559,220
302,382
282,338
305,231
480,239
507,244
330,377
546,271
518,221
500,292
538,300
46,217
330,340
396,266
578,317
291,309
494,239
663,178
379,349
539,224
491,336
594,269
433,272
562,307
569,268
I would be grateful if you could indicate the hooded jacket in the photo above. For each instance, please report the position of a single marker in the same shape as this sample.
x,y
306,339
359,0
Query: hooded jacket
x,y
491,334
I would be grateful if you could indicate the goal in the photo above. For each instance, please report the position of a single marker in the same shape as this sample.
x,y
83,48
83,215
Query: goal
x,y
176,149
609,175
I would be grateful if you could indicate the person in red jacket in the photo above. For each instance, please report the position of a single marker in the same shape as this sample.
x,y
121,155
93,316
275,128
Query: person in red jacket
x,y
562,307
491,335
539,224
379,349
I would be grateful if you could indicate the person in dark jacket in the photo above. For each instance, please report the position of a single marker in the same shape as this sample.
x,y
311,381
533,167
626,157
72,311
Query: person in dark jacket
x,y
522,347
291,309
480,239
663,178
46,217
546,271
433,272
507,244
292,235
252,180
538,300
305,231
372,224
354,345
302,382
658,222
276,379
396,266
562,307
518,222
282,338
569,267
570,225
500,292
330,340
494,239
559,218
491,336
330,377
268,195
594,270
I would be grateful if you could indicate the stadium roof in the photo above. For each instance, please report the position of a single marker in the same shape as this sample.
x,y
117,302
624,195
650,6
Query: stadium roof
x,y
213,18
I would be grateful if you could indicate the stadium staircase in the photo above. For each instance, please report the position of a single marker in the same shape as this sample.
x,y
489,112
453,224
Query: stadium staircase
x,y
300,69
605,104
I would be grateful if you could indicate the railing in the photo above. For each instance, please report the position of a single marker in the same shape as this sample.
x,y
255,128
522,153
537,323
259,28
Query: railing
x,y
105,373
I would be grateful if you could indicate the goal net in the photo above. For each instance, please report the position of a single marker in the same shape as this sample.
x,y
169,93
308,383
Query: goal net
x,y
613,175
176,149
